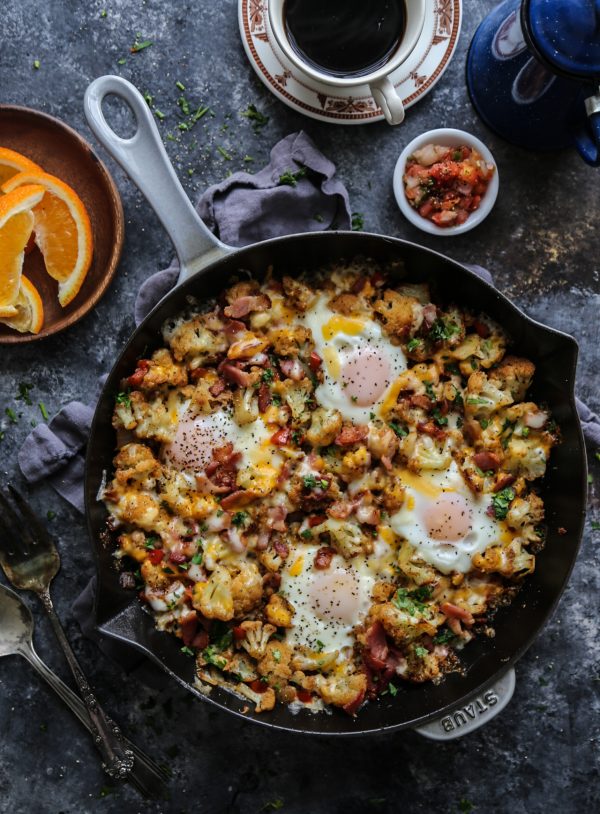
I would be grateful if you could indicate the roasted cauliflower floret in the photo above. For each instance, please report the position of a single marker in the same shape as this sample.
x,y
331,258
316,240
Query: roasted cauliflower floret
x,y
193,341
298,293
279,611
289,341
162,369
325,425
154,576
264,701
133,545
403,625
341,691
246,589
514,375
510,560
214,598
483,397
525,511
346,537
275,664
135,463
355,463
257,634
402,315
421,664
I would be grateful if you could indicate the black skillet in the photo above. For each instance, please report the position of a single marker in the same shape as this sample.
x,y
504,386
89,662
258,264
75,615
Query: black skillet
x,y
460,702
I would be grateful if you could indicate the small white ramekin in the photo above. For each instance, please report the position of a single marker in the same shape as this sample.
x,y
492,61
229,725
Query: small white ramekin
x,y
452,138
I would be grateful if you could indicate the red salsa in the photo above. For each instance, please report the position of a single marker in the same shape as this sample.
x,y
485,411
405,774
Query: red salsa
x,y
446,184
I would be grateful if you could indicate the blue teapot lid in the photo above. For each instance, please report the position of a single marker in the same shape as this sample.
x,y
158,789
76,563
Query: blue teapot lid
x,y
566,33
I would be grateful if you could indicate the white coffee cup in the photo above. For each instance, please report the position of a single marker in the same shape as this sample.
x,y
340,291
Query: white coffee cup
x,y
378,80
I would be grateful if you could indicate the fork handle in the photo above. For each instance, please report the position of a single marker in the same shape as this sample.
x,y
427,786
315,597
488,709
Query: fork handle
x,y
146,775
117,758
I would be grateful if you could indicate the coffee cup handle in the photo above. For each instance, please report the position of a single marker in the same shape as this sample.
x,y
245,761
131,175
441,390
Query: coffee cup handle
x,y
388,100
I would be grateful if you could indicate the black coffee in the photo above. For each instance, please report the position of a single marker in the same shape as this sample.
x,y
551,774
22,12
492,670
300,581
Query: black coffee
x,y
345,37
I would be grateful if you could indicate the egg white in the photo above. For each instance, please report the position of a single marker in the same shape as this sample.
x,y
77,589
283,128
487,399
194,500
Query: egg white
x,y
447,556
337,339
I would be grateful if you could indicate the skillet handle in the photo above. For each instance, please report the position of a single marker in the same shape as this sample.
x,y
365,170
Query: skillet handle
x,y
144,159
479,711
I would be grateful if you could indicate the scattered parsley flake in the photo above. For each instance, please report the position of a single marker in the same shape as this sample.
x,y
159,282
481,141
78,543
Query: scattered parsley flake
x,y
121,61
187,651
319,218
465,806
247,159
306,534
11,415
421,652
36,64
358,222
103,13
501,502
413,345
273,805
393,690
180,85
224,153
140,46
123,398
239,519
290,178
50,514
400,431
159,114
595,525
197,559
443,637
258,119
24,389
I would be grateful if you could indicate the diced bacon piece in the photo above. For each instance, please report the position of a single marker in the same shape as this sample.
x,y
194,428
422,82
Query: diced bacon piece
x,y
352,435
200,640
422,401
352,707
377,647
189,628
314,361
236,375
323,558
429,314
487,461
454,612
341,509
234,326
292,369
502,482
264,397
276,518
282,549
430,428
241,497
316,520
282,437
368,514
137,377
246,305
217,388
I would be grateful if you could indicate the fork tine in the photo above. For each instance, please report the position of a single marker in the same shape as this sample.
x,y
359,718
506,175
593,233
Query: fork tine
x,y
35,524
21,536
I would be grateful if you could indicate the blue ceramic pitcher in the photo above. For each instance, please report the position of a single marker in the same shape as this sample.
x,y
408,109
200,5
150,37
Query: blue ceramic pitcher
x,y
533,73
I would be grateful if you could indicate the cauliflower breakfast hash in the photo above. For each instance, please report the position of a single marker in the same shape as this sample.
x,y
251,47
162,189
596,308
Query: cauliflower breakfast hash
x,y
323,484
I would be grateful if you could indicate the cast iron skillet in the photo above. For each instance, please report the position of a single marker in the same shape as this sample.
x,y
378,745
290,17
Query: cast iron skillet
x,y
207,265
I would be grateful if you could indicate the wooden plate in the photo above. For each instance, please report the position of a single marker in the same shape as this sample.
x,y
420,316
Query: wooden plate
x,y
61,151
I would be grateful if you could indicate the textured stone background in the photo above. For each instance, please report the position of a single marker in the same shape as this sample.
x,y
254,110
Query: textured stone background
x,y
541,242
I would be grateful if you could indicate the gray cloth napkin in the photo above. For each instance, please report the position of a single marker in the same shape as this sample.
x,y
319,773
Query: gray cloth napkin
x,y
241,210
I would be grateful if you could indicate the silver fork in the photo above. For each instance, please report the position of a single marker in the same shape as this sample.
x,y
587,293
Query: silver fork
x,y
30,561
16,639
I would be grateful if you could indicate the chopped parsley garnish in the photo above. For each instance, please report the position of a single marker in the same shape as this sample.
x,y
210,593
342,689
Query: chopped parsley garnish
x,y
465,806
50,514
277,655
393,689
507,431
400,431
501,502
11,415
123,398
258,119
297,436
413,345
525,432
421,652
595,525
457,155
187,651
290,178
224,153
440,420
458,399
354,399
429,391
140,46
443,637
412,601
150,543
358,221
306,534
484,423
476,400
24,393
268,375
159,114
320,646
443,329
168,571
318,217
36,64
311,482
239,519
43,410
276,399
211,655
197,558
184,105
179,85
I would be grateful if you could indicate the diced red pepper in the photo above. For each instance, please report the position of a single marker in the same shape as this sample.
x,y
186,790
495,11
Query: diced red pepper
x,y
156,556
352,707
282,437
259,686
304,695
239,633
316,520
314,361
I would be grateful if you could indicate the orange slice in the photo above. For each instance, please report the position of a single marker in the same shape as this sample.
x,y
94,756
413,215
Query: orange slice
x,y
16,223
12,162
63,232
30,311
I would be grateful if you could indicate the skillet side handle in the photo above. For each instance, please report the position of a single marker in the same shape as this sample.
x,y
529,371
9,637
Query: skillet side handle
x,y
478,712
144,159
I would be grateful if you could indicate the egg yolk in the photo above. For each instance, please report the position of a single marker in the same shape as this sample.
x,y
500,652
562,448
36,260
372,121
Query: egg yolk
x,y
448,518
365,375
334,595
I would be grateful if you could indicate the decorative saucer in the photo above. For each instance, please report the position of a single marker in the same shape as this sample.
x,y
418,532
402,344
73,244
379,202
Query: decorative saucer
x,y
413,79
